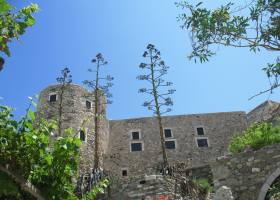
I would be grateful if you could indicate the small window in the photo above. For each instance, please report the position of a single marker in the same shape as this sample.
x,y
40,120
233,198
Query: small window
x,y
200,131
167,133
170,144
135,135
88,104
203,142
82,135
136,146
52,97
124,172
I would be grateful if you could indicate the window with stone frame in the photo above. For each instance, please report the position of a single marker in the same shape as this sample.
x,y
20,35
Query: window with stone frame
x,y
170,144
168,133
135,135
202,142
200,131
52,97
136,146
88,104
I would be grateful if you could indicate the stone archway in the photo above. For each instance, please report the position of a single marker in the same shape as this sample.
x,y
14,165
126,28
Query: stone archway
x,y
268,183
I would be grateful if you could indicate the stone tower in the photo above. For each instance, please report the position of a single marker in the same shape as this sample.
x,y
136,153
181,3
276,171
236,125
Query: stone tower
x,y
77,112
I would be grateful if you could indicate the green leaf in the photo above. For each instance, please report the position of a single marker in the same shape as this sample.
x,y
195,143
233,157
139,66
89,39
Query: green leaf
x,y
198,4
31,114
30,21
48,159
4,7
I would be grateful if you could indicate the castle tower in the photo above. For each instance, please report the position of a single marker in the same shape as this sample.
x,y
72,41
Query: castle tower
x,y
76,107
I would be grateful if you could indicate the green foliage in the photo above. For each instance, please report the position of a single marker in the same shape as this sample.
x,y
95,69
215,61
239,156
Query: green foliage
x,y
253,26
260,28
14,23
98,189
274,190
25,147
204,184
256,137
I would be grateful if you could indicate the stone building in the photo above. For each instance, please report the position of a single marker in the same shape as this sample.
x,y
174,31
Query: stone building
x,y
131,147
77,113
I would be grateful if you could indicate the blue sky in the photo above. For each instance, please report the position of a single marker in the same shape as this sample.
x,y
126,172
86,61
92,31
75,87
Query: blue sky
x,y
70,33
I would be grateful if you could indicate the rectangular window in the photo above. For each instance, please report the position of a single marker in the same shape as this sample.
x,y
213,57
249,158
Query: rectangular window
x,y
167,133
136,146
202,142
135,135
124,172
200,131
88,104
52,97
170,144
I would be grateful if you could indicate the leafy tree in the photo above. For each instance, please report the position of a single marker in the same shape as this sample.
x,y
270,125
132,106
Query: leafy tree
x,y
64,80
13,24
25,155
99,86
230,26
25,149
156,69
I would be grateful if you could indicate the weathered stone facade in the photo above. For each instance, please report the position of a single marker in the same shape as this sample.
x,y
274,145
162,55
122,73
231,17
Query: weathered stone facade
x,y
128,166
248,174
76,115
218,129
267,111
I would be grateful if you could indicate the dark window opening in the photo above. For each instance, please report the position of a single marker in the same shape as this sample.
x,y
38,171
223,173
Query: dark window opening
x,y
124,172
53,97
135,135
82,136
200,131
136,146
88,104
202,142
142,182
167,133
170,144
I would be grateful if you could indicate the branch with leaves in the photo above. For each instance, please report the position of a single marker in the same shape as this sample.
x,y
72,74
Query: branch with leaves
x,y
13,24
159,90
100,86
231,26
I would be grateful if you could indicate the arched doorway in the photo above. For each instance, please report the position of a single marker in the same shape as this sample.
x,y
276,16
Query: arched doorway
x,y
272,179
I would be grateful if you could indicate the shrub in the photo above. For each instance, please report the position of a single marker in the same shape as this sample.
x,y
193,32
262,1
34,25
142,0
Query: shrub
x,y
25,147
255,137
274,190
204,184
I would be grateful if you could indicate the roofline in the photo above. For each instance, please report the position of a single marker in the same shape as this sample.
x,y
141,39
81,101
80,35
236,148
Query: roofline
x,y
186,115
262,104
72,84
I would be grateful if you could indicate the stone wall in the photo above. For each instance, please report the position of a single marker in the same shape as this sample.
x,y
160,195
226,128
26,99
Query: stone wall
x,y
267,111
218,128
75,115
248,174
